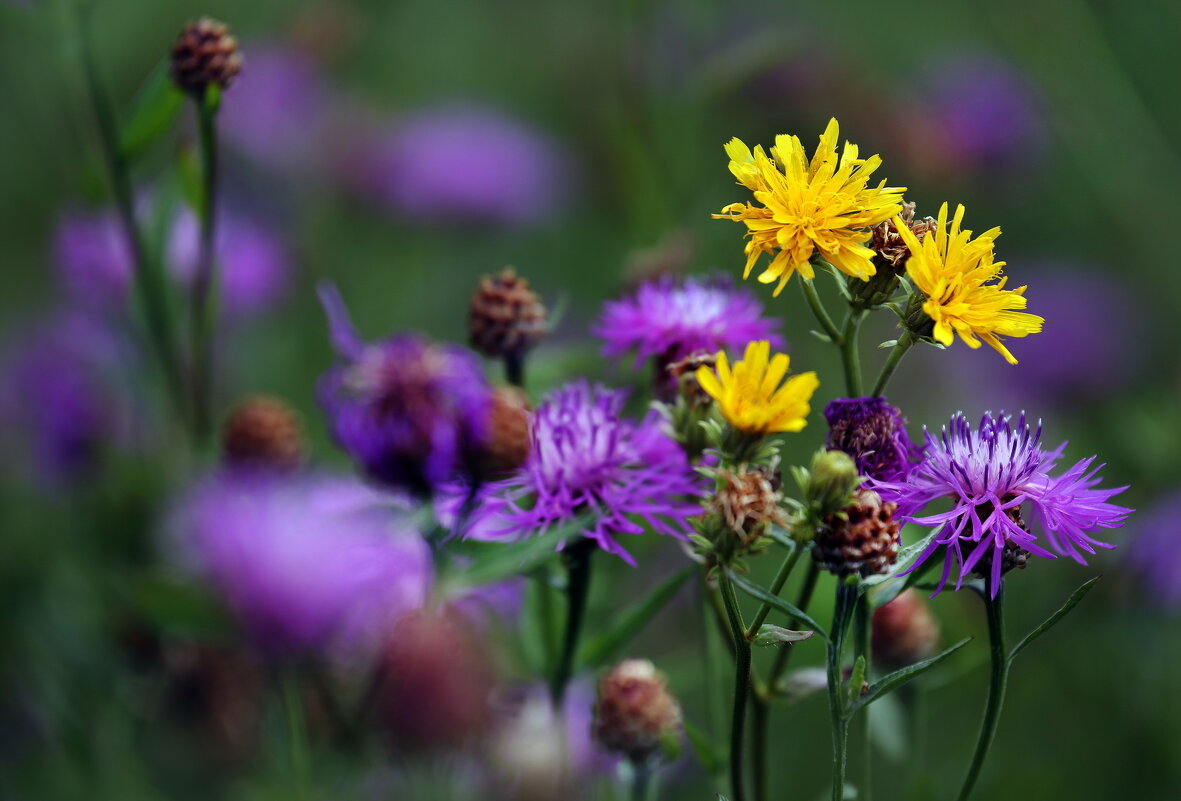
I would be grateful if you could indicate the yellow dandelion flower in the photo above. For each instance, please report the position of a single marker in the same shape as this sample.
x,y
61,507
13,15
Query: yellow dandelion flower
x,y
751,396
820,206
954,270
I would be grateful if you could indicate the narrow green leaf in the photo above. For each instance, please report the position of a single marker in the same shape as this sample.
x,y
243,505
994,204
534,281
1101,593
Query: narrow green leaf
x,y
604,647
708,754
783,538
889,343
1053,619
856,680
501,561
760,594
153,111
882,589
823,337
896,679
777,635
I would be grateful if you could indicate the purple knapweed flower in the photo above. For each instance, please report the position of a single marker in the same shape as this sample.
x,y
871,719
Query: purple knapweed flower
x,y
1155,551
873,432
586,458
464,163
670,319
412,413
990,473
306,562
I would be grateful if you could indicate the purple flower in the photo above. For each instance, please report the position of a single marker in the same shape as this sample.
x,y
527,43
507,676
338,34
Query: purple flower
x,y
873,432
1155,550
586,458
410,412
93,257
464,163
671,319
989,474
306,562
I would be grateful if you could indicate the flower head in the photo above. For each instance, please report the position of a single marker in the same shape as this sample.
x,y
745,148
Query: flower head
x,y
671,319
636,714
873,432
954,272
823,206
586,457
990,473
411,412
753,397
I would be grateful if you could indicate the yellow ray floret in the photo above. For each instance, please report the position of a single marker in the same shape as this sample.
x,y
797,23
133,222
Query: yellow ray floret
x,y
753,397
805,207
954,270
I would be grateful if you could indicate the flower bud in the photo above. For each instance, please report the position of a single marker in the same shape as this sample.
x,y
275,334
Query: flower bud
x,y
506,318
862,538
509,433
636,715
874,433
904,631
262,433
832,479
205,54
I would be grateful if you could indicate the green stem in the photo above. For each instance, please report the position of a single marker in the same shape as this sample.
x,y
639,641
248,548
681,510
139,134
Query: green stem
x,y
149,281
899,350
850,356
776,585
861,729
643,773
577,557
297,735
545,613
818,309
201,322
742,661
842,611
999,677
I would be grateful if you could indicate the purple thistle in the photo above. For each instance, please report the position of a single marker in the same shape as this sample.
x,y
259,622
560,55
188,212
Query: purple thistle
x,y
670,319
1155,551
873,432
410,412
990,473
305,562
585,457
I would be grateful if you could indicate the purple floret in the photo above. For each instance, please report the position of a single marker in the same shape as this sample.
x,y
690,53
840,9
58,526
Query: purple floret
x,y
873,432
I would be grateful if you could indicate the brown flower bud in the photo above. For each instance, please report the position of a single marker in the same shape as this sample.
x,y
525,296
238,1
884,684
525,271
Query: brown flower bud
x,y
636,715
684,373
888,245
861,539
509,433
263,433
749,501
506,318
904,631
205,53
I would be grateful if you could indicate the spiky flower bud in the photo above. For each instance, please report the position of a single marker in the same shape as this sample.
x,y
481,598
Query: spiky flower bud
x,y
749,501
205,54
509,433
263,433
904,631
506,318
862,538
636,715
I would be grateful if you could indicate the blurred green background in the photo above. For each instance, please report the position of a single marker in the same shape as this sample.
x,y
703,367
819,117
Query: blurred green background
x,y
1056,119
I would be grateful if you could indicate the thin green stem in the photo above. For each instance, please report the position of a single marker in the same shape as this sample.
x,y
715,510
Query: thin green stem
x,y
742,662
777,583
546,619
842,612
297,735
821,313
899,350
642,783
861,627
578,571
201,322
999,677
850,355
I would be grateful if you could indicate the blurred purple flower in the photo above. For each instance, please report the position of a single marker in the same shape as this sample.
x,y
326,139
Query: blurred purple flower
x,y
306,562
1155,550
410,412
93,257
989,473
585,457
671,319
464,163
873,432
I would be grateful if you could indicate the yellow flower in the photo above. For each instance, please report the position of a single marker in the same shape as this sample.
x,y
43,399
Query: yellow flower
x,y
953,271
823,206
750,396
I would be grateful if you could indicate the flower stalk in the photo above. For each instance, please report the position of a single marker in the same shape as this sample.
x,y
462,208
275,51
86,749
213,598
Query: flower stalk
x,y
742,666
846,601
998,681
904,343
577,558
202,320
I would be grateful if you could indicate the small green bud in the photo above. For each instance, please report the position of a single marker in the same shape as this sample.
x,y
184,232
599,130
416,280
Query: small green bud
x,y
831,481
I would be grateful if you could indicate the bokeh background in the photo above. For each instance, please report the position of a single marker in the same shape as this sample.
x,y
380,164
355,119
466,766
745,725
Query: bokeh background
x,y
405,149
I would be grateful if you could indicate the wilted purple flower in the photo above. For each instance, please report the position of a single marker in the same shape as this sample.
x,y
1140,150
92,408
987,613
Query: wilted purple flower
x,y
586,458
873,432
410,412
670,319
306,562
464,163
1155,550
989,473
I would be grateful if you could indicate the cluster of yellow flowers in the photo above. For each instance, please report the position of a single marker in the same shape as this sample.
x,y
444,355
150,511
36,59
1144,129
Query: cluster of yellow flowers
x,y
807,212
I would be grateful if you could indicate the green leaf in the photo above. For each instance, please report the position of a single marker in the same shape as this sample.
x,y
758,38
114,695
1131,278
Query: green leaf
x,y
896,679
783,538
710,756
1053,619
604,647
889,343
775,602
497,561
179,608
823,337
153,111
856,680
882,589
776,635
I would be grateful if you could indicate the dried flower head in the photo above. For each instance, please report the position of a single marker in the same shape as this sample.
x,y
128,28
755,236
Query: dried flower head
x,y
749,500
890,249
506,318
509,433
861,539
636,715
205,54
263,432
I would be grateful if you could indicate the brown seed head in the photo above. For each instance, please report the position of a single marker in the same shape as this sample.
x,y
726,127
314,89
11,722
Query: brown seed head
x,y
509,433
205,53
636,715
861,539
506,317
888,244
904,631
749,501
263,432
